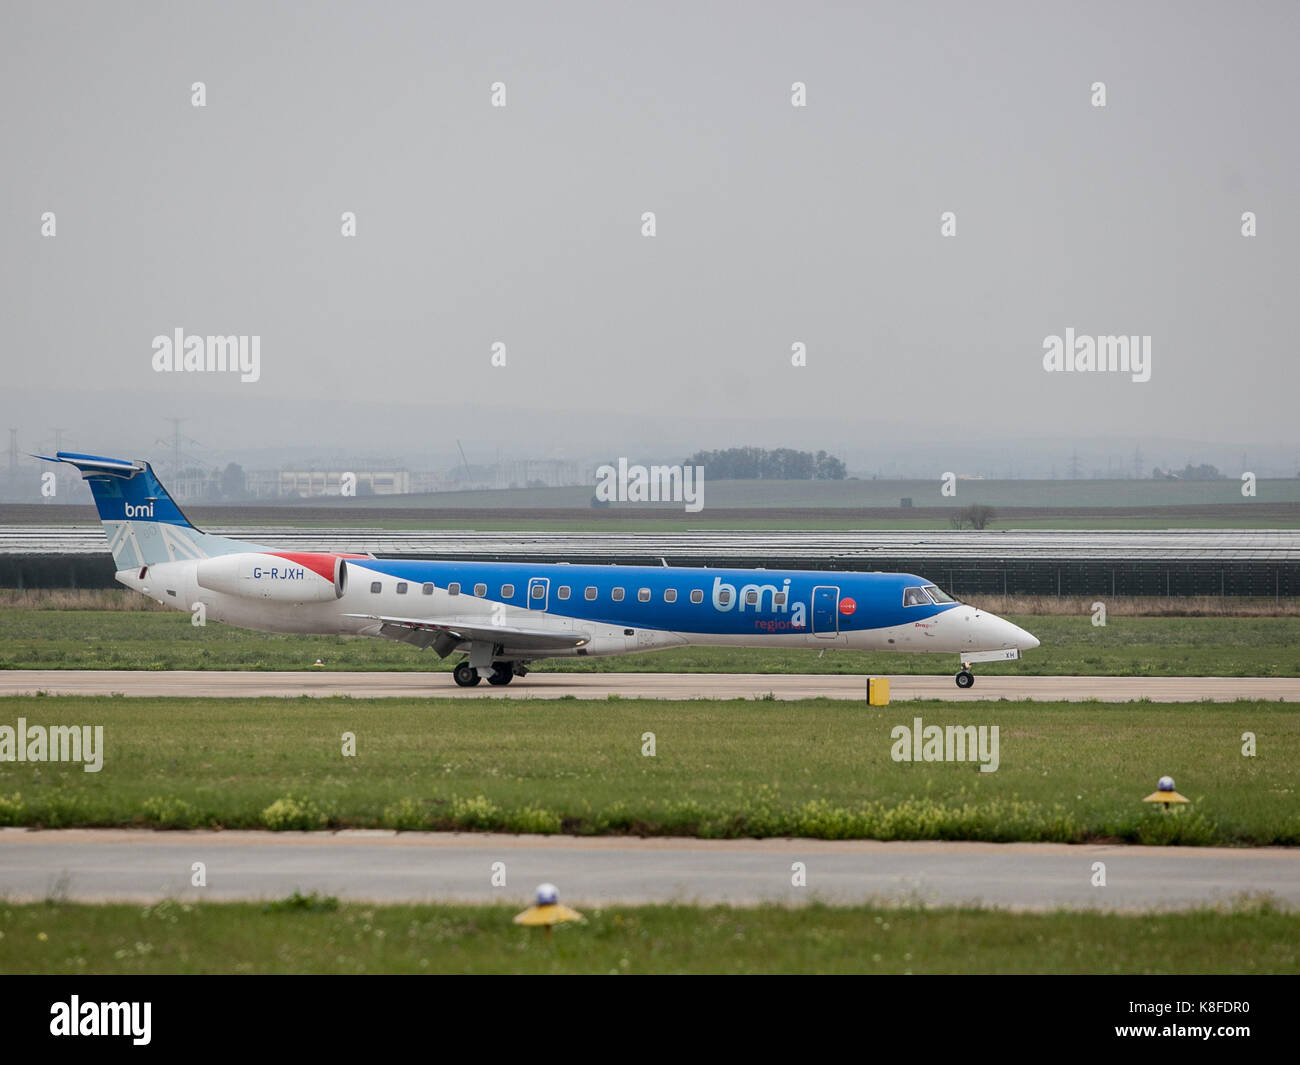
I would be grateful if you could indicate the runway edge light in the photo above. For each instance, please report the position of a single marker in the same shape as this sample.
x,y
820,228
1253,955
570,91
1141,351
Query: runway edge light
x,y
547,910
1165,794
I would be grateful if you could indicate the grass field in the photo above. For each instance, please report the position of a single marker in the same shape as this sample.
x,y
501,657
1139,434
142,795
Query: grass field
x,y
737,521
1282,516
755,504
1069,772
1071,644
859,493
886,493
320,936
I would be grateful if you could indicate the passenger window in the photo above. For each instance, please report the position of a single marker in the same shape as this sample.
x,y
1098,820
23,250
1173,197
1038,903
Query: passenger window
x,y
375,587
507,591
697,595
539,591
616,595
427,589
643,594
453,589
670,595
751,597
778,599
724,597
401,587
480,589
562,591
915,597
590,593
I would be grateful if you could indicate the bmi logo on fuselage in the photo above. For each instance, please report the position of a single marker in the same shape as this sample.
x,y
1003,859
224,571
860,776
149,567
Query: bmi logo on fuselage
x,y
765,597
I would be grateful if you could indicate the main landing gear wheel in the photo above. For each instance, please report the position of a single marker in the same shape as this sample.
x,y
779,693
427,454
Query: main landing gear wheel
x,y
965,678
502,673
465,675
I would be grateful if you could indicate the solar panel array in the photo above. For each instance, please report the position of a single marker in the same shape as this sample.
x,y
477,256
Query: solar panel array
x,y
1237,562
704,547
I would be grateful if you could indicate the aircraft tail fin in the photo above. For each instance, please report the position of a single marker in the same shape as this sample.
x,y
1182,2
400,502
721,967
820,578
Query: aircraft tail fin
x,y
142,522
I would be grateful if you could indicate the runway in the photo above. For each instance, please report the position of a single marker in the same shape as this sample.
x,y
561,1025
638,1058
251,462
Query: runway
x,y
538,685
379,866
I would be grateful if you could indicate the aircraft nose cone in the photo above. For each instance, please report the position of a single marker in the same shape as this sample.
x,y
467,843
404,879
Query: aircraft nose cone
x,y
1026,641
1013,635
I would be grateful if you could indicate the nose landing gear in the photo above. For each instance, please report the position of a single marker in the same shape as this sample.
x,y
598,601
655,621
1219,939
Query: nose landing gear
x,y
966,678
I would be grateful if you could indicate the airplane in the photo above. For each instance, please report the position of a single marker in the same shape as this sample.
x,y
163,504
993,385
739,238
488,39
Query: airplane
x,y
500,616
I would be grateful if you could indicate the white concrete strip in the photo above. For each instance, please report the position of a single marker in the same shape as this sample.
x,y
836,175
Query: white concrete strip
x,y
143,866
541,685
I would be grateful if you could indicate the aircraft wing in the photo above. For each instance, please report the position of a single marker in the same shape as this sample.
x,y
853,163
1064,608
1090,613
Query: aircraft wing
x,y
445,637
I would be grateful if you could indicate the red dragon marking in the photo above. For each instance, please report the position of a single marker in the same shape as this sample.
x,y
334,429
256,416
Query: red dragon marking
x,y
316,561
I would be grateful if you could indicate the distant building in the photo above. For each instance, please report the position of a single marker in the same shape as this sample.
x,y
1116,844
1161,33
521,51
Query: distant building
x,y
537,473
310,484
520,473
424,482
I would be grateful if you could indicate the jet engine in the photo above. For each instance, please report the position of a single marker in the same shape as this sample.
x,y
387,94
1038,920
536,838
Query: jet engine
x,y
291,577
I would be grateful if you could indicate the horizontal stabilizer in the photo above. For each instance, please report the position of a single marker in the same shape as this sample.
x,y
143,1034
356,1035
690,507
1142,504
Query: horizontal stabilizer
x,y
90,465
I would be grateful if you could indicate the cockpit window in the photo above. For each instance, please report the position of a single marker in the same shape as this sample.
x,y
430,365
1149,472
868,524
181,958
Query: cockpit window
x,y
938,594
915,597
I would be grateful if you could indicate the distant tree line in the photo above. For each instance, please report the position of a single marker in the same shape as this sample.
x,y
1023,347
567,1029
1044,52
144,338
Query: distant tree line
x,y
977,516
758,463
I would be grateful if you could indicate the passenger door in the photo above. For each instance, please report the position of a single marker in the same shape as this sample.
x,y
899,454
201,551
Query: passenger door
x,y
826,611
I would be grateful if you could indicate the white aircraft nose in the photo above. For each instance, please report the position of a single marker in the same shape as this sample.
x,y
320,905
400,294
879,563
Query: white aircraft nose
x,y
1026,641
1013,635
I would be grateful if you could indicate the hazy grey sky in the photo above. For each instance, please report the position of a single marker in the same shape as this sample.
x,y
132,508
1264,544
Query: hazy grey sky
x,y
522,224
